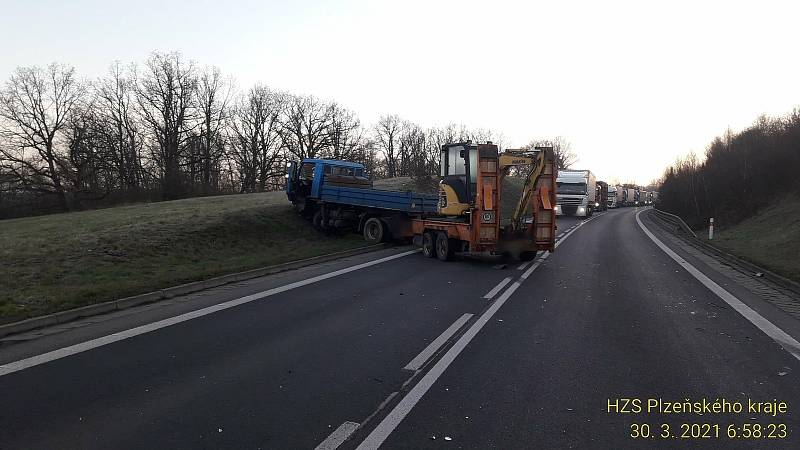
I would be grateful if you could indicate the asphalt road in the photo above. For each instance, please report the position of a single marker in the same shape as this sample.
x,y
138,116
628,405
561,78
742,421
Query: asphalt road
x,y
608,316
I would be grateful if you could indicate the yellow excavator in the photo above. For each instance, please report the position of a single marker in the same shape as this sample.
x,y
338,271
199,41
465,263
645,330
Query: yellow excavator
x,y
470,198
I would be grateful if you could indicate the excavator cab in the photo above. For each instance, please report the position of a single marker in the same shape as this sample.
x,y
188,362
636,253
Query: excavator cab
x,y
459,178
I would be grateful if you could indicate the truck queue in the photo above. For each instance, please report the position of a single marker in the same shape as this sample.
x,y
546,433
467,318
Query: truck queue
x,y
580,194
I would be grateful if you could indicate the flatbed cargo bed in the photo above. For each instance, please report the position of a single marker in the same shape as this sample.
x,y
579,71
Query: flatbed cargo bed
x,y
408,201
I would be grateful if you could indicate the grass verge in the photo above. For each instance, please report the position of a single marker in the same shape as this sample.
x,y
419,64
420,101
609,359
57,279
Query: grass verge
x,y
62,261
770,238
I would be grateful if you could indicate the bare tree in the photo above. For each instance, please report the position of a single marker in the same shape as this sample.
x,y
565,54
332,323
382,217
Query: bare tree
x,y
562,151
213,96
484,135
255,138
93,175
35,107
121,133
412,150
167,105
387,132
306,126
346,134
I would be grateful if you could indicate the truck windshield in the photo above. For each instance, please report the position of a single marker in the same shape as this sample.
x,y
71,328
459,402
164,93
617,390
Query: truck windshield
x,y
571,188
307,171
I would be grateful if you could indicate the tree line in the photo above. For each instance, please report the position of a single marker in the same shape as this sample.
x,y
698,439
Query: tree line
x,y
170,129
741,173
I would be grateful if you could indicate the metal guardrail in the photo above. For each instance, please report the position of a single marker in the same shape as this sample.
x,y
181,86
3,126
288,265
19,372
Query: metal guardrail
x,y
675,220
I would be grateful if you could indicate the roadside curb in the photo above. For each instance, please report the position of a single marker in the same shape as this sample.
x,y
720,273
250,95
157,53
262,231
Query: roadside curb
x,y
742,264
174,291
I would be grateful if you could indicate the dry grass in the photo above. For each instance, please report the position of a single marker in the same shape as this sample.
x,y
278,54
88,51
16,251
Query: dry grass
x,y
60,261
770,238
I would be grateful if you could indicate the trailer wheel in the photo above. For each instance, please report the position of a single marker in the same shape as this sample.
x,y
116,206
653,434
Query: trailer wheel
x,y
428,244
374,230
444,249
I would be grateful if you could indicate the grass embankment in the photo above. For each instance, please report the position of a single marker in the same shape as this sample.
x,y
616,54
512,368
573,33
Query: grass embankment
x,y
770,238
61,261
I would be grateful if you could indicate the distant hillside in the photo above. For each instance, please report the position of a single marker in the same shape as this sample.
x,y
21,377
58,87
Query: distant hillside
x,y
740,174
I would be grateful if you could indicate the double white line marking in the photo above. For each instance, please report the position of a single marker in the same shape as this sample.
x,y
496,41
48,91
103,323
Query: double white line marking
x,y
437,343
379,435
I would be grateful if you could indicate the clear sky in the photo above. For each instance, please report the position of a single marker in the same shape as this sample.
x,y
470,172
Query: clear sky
x,y
633,85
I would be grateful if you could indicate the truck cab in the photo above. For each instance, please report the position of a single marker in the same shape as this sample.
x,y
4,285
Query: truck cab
x,y
304,180
577,191
612,197
601,198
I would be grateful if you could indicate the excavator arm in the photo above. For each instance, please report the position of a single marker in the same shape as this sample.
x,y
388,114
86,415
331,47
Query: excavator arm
x,y
539,187
536,161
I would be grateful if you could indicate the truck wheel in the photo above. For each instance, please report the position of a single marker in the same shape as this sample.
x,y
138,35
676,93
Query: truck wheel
x,y
428,244
300,206
316,221
374,231
444,251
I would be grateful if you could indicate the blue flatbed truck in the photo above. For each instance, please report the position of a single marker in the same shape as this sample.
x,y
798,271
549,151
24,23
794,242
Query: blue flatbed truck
x,y
337,195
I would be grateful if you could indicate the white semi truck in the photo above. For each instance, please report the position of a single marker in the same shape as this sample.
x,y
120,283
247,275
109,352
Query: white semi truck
x,y
642,196
631,197
612,197
620,196
576,193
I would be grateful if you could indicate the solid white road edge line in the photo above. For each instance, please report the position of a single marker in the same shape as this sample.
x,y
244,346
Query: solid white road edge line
x,y
338,436
115,337
401,410
497,288
781,337
437,343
